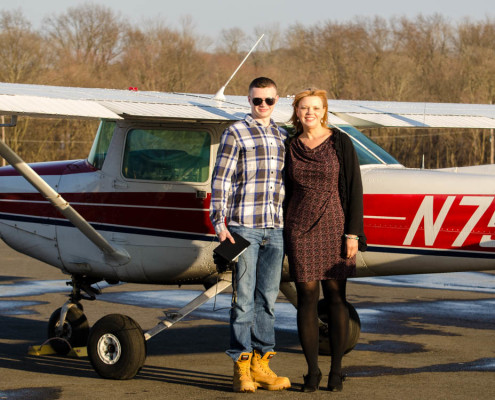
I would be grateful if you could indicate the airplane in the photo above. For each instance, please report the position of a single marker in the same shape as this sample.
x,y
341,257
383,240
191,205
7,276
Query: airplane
x,y
136,209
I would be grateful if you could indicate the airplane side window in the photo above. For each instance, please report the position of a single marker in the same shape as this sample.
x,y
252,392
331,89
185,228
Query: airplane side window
x,y
167,155
102,142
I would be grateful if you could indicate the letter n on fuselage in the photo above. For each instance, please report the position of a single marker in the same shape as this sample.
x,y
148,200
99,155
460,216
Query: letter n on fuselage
x,y
425,214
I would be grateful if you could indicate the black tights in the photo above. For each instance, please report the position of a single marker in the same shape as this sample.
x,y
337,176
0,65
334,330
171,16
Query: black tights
x,y
308,294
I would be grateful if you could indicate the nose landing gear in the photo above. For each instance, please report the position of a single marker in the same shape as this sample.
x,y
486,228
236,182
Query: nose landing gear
x,y
68,327
72,332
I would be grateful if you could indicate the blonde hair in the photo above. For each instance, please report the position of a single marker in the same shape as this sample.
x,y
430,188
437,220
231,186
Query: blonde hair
x,y
322,94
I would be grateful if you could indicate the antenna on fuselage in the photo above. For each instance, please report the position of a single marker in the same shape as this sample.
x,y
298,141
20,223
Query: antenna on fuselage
x,y
219,95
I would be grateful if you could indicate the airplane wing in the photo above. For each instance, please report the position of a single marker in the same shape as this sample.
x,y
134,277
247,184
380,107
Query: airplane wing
x,y
66,102
373,114
70,102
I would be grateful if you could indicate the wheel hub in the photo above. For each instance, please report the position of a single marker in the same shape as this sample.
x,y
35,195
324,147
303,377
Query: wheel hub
x,y
65,331
109,349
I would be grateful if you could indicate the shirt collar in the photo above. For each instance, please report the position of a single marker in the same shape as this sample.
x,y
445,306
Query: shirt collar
x,y
252,122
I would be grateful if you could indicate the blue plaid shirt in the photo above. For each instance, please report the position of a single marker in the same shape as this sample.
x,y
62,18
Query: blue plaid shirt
x,y
247,185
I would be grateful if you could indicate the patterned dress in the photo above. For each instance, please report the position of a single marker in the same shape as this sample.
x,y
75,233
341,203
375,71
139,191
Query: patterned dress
x,y
314,226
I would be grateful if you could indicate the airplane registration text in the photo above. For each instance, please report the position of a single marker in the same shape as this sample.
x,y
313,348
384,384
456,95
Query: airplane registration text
x,y
439,221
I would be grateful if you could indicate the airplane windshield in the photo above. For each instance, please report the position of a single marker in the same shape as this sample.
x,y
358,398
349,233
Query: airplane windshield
x,y
368,152
100,145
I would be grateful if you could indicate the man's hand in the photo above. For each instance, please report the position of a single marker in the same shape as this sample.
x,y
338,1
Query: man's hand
x,y
221,263
224,235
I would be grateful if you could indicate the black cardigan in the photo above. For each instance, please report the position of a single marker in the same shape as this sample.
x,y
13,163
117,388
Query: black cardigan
x,y
350,186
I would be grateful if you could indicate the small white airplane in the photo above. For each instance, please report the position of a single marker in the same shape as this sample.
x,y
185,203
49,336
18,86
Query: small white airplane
x,y
136,210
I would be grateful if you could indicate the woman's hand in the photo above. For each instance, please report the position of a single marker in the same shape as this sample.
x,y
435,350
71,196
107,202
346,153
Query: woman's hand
x,y
351,245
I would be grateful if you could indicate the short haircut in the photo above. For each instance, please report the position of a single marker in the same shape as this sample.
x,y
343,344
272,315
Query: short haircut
x,y
322,94
262,82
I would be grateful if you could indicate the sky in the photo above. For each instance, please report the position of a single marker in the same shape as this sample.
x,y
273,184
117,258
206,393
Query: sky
x,y
210,17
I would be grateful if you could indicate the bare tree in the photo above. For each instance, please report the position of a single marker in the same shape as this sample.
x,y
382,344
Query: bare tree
x,y
87,37
161,58
476,60
233,40
273,39
21,49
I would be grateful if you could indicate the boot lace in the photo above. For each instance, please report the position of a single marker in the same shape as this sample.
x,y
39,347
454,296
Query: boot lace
x,y
264,366
243,369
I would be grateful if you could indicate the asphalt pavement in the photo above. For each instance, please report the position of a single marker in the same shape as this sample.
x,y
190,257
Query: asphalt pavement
x,y
419,340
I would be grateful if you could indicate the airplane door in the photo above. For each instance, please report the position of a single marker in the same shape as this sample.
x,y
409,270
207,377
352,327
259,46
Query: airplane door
x,y
165,173
150,198
168,170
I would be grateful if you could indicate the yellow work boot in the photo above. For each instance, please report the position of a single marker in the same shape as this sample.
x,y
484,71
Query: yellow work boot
x,y
264,376
242,374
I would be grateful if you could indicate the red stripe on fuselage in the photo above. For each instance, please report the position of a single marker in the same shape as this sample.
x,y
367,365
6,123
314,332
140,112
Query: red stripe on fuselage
x,y
446,222
53,168
141,199
166,211
454,222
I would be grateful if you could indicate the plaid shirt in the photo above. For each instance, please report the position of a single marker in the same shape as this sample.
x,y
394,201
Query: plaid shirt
x,y
247,185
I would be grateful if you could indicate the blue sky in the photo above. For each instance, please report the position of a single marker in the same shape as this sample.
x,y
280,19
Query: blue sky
x,y
211,16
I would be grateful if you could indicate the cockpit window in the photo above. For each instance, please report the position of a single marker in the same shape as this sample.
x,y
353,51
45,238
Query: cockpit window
x,y
167,155
368,152
100,145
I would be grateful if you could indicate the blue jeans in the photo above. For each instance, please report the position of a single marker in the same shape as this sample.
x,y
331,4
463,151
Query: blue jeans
x,y
256,283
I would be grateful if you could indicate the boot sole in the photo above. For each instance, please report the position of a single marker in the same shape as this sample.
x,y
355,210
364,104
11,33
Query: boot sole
x,y
274,387
245,390
239,389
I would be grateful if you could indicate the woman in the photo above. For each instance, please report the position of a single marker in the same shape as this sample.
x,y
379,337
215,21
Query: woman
x,y
323,229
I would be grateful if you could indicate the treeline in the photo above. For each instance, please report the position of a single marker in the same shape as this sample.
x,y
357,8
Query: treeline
x,y
426,58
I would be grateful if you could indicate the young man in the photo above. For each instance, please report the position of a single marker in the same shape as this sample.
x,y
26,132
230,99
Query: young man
x,y
247,193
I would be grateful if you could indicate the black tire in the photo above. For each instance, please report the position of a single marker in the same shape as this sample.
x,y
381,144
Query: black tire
x,y
116,347
353,332
75,331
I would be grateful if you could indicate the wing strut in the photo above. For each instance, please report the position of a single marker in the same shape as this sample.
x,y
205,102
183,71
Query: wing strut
x,y
172,318
116,256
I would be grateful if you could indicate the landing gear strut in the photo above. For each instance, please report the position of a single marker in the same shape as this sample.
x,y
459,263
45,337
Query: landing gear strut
x,y
68,327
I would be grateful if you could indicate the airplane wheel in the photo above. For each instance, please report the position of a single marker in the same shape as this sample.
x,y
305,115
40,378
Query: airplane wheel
x,y
353,332
116,347
75,330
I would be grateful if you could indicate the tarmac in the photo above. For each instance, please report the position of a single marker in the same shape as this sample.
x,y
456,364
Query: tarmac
x,y
418,341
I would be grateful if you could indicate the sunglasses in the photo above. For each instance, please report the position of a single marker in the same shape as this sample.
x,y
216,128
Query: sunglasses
x,y
270,101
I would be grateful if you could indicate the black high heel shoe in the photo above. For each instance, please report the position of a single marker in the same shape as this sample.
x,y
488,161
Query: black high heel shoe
x,y
311,382
335,382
